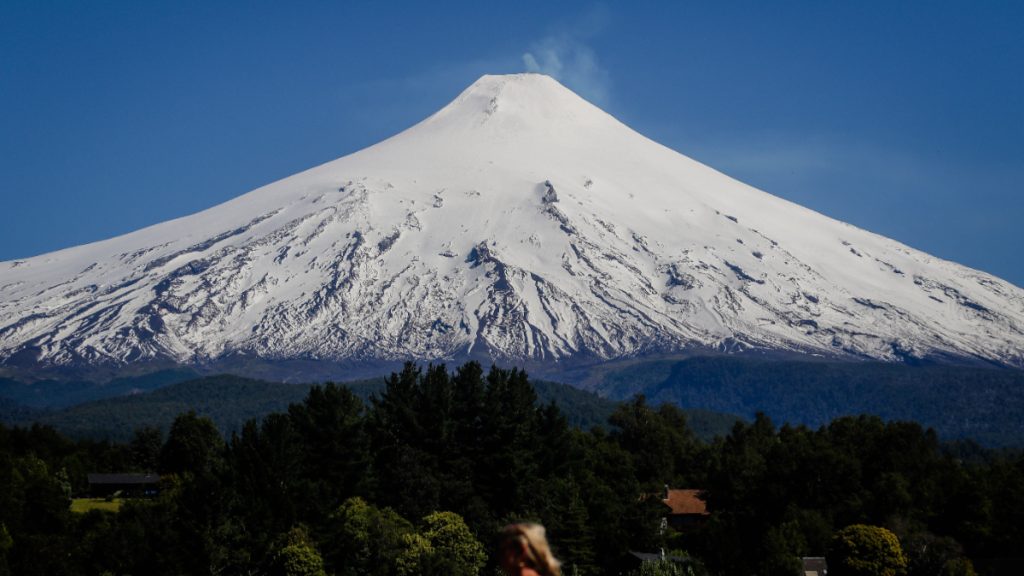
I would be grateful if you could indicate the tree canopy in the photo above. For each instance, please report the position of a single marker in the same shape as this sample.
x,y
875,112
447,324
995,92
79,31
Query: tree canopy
x,y
419,479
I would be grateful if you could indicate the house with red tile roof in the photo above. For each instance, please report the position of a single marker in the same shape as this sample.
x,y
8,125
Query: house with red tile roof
x,y
686,508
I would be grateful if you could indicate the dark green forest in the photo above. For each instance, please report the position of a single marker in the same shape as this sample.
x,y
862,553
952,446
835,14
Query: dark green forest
x,y
977,402
417,479
230,401
980,403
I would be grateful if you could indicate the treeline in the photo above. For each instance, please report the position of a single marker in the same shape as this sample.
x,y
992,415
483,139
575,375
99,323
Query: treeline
x,y
980,403
416,481
230,401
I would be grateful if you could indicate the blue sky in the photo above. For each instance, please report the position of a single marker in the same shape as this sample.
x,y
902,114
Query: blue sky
x,y
904,118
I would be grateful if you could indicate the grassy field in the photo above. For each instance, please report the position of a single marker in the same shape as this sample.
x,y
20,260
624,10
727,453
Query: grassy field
x,y
83,505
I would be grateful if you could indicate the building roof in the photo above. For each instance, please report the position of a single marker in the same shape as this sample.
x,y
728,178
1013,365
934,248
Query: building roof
x,y
123,478
814,566
686,501
656,557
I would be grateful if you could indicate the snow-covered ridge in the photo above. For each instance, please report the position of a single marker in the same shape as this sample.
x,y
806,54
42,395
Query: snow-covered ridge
x,y
519,221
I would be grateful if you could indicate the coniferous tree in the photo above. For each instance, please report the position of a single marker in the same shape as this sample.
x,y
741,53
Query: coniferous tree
x,y
145,448
333,445
406,473
193,445
508,459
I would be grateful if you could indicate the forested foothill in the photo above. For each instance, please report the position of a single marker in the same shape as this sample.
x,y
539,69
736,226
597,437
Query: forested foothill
x,y
230,401
981,403
418,479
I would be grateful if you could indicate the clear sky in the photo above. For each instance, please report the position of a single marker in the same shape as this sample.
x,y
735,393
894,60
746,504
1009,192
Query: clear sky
x,y
904,118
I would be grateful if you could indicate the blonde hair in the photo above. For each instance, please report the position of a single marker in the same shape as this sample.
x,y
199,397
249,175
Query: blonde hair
x,y
531,544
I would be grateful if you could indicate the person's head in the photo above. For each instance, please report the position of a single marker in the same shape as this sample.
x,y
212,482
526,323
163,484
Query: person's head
x,y
526,545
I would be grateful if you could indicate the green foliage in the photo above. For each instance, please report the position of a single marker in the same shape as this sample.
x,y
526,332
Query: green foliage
x,y
297,556
49,389
193,445
662,446
5,544
452,547
927,554
782,548
863,550
415,557
959,401
299,560
364,540
957,567
666,568
571,527
145,447
582,409
485,446
332,442
83,505
229,401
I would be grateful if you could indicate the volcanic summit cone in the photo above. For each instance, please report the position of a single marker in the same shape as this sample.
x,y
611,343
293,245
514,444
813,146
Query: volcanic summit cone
x,y
518,222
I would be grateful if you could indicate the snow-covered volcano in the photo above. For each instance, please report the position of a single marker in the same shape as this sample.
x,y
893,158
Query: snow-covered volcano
x,y
519,222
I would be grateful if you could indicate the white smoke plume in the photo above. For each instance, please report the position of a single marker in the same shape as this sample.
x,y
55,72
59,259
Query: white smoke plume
x,y
566,57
